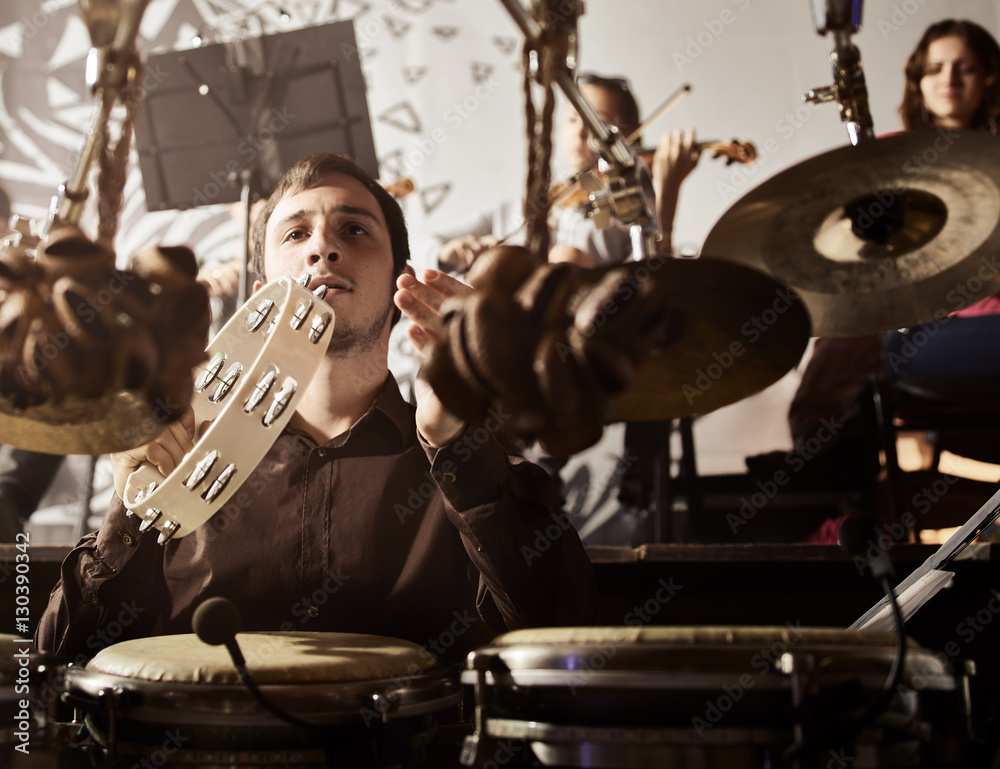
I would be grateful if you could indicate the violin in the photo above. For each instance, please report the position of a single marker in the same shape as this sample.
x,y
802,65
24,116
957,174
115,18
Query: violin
x,y
733,151
569,193
400,188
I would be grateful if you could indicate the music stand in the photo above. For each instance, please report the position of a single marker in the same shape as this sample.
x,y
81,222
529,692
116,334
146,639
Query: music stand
x,y
222,123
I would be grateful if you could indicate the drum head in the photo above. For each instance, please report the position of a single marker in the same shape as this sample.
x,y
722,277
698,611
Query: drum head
x,y
636,676
345,681
272,658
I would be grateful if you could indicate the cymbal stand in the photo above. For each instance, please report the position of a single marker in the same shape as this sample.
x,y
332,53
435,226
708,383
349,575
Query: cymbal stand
x,y
843,19
629,194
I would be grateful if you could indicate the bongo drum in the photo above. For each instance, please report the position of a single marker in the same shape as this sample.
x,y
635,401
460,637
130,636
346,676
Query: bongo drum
x,y
175,700
731,697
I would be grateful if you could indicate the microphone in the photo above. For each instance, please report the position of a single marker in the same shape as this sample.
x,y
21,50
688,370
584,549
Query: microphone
x,y
216,622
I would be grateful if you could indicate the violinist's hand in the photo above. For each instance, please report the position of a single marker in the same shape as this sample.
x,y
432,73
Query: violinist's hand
x,y
675,158
563,253
457,255
165,452
421,303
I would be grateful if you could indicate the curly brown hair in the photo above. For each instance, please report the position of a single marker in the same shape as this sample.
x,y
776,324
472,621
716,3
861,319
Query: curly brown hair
x,y
986,50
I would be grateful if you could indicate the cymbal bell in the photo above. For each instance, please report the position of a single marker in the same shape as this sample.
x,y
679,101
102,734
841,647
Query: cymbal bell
x,y
735,331
890,233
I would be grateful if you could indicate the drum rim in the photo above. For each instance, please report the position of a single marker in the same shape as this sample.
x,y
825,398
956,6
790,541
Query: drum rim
x,y
329,702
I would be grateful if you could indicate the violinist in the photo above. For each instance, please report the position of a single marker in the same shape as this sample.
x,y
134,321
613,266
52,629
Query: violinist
x,y
575,237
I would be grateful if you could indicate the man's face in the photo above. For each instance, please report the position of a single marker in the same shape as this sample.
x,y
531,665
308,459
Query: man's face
x,y
336,232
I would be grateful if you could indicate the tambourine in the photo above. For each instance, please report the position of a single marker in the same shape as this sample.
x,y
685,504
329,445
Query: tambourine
x,y
259,366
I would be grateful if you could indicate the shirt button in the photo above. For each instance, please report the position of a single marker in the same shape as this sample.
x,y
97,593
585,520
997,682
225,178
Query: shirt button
x,y
93,598
313,612
127,539
321,452
448,478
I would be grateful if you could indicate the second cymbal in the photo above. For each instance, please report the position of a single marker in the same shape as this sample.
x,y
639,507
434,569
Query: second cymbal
x,y
893,232
735,332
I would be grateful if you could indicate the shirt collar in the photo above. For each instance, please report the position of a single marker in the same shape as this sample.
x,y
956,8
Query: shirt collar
x,y
390,419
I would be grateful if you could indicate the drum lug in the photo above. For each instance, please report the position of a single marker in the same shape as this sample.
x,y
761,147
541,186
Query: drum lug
x,y
111,700
385,703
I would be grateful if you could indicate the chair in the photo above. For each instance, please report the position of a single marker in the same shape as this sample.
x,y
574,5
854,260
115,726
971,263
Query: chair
x,y
960,415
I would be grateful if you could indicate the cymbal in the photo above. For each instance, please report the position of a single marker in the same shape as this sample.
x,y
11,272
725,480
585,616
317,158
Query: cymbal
x,y
735,332
115,422
890,233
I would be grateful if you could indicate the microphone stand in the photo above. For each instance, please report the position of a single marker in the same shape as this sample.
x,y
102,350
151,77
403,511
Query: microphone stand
x,y
843,18
246,175
858,537
629,196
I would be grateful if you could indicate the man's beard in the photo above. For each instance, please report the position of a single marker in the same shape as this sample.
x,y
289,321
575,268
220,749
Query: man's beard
x,y
351,339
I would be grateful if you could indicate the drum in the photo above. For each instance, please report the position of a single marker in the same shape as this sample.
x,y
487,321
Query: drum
x,y
624,697
174,700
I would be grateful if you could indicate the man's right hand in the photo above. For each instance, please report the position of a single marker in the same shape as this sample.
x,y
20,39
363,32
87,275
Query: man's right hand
x,y
165,452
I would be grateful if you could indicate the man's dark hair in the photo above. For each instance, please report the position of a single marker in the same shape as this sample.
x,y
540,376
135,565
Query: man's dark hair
x,y
308,173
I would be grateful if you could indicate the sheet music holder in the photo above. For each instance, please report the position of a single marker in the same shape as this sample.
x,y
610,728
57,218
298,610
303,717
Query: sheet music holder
x,y
929,578
211,116
223,122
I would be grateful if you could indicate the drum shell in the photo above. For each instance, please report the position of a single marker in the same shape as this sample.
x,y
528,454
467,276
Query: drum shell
x,y
616,698
228,716
210,723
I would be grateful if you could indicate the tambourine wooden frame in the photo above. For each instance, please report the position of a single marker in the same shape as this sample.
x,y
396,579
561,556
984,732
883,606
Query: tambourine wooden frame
x,y
290,342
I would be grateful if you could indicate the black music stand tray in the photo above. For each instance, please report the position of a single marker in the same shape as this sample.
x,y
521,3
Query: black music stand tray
x,y
929,578
224,117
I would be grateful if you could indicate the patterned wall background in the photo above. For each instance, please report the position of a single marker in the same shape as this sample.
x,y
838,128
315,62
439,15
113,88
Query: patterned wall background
x,y
445,100
429,66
